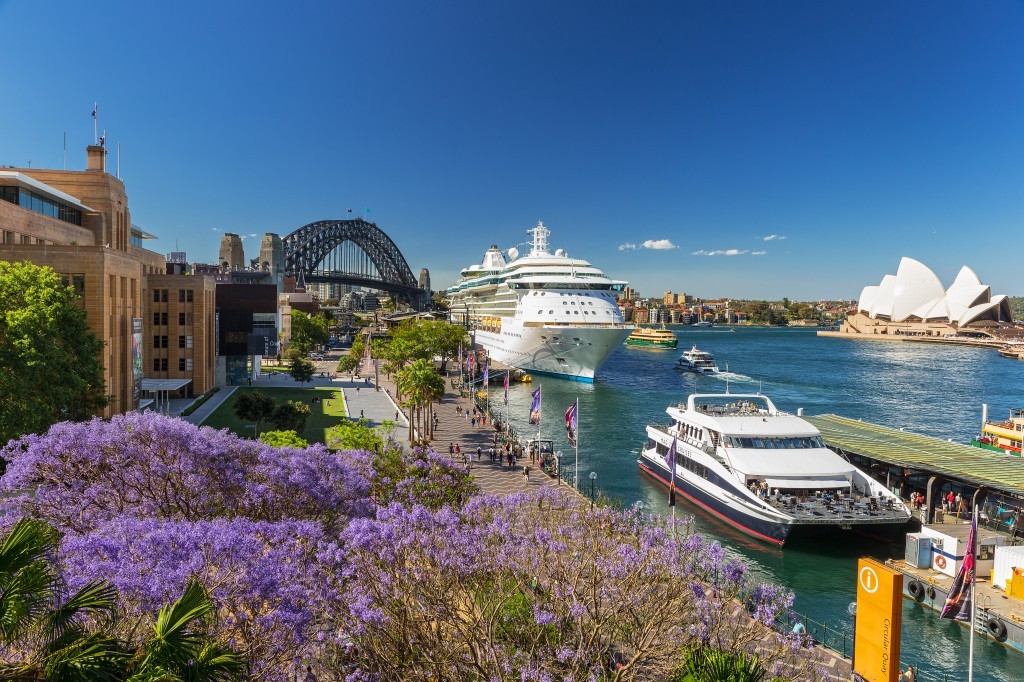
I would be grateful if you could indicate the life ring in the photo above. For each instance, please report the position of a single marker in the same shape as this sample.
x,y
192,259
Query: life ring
x,y
931,593
996,628
916,590
940,561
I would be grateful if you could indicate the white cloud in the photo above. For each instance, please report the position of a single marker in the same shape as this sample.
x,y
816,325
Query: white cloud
x,y
773,237
627,247
727,252
659,244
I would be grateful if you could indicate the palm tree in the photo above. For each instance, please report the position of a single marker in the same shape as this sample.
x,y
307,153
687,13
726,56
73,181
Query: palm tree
x,y
180,647
422,386
68,640
52,637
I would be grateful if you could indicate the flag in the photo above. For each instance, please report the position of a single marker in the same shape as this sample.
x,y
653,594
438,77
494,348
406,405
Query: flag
x,y
350,210
103,138
487,375
958,603
95,109
670,462
460,344
571,424
535,407
506,385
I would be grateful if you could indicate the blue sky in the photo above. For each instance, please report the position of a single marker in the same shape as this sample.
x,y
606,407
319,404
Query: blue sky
x,y
854,132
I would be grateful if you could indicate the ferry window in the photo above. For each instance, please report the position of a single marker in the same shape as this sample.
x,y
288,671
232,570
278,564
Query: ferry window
x,y
650,443
788,442
747,442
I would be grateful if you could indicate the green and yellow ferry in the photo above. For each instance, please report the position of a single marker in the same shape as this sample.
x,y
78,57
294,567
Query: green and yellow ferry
x,y
651,337
1001,436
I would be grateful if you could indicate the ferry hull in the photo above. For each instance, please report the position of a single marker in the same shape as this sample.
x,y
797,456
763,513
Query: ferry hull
x,y
644,343
763,529
570,352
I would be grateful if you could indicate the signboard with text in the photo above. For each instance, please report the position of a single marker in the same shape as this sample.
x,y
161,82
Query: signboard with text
x,y
879,622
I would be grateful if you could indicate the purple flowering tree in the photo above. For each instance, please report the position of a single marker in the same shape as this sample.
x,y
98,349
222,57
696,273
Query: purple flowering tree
x,y
537,587
273,583
79,475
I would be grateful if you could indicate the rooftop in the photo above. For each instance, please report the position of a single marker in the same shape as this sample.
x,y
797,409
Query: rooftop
x,y
983,468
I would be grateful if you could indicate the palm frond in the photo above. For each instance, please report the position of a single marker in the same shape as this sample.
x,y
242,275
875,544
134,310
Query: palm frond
x,y
97,597
93,657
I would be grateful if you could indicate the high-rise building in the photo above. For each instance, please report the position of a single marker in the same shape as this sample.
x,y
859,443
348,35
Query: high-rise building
x,y
425,280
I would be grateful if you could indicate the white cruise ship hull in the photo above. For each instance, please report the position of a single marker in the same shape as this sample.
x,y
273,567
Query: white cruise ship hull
x,y
574,352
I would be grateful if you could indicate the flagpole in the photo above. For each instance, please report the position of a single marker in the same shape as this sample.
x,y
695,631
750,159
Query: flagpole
x,y
576,475
974,601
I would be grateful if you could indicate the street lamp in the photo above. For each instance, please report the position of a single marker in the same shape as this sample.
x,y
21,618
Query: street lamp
x,y
593,477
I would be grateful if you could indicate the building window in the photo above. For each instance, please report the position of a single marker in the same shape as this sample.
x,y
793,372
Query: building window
x,y
188,341
156,364
160,319
159,295
184,295
181,319
156,319
188,364
181,342
156,341
181,364
163,364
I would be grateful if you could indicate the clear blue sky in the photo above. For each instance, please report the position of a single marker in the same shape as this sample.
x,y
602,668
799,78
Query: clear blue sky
x,y
859,131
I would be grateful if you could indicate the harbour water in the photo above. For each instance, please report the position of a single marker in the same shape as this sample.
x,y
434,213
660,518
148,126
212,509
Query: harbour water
x,y
925,389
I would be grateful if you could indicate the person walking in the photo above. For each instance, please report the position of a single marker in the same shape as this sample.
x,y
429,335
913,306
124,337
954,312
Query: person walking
x,y
910,675
526,473
472,422
456,449
479,454
451,450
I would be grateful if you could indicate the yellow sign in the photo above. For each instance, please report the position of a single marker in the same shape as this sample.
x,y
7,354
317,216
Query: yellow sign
x,y
876,649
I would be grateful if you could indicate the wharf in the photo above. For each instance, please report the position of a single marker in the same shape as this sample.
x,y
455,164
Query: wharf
x,y
993,604
942,461
995,344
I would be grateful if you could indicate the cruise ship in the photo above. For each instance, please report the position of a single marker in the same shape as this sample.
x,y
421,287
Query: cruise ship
x,y
541,312
764,471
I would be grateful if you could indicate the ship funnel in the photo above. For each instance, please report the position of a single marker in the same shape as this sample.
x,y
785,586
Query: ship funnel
x,y
799,411
984,417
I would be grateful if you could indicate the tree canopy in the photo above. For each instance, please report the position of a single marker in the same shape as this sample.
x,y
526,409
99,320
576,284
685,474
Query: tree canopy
x,y
308,331
301,370
51,368
256,407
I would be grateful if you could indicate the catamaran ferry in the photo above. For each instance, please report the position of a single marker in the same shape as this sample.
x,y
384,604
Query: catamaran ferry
x,y
764,471
542,312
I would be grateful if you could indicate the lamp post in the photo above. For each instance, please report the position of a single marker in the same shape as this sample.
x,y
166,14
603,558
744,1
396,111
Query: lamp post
x,y
593,478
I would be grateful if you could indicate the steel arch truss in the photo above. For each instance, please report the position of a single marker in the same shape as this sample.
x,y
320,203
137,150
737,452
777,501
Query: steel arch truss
x,y
307,247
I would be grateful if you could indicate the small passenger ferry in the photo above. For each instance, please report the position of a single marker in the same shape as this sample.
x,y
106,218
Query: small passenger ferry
x,y
1002,436
699,361
764,471
649,336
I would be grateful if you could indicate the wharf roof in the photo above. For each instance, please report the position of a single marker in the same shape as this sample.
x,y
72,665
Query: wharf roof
x,y
982,468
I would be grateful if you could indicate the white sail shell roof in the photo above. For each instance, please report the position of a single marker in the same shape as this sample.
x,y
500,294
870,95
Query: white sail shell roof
x,y
915,292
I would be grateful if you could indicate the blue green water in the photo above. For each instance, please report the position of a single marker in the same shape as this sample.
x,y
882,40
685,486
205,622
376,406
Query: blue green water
x,y
936,391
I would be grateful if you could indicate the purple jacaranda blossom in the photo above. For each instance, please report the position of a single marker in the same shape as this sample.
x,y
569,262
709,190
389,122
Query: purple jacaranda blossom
x,y
78,475
270,580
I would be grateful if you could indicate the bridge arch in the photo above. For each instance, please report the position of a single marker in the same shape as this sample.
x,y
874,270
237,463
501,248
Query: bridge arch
x,y
309,250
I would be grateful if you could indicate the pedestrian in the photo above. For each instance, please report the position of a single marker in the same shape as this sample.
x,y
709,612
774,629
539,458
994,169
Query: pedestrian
x,y
360,414
396,415
508,458
250,381
526,473
451,450
491,453
479,454
456,448
357,390
458,411
910,675
472,422
483,420
513,459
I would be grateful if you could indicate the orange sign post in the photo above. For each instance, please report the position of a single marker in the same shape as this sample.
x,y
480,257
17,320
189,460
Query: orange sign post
x,y
879,621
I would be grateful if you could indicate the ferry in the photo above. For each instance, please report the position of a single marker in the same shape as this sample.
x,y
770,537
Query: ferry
x,y
542,312
649,336
699,361
764,471
1001,436
703,324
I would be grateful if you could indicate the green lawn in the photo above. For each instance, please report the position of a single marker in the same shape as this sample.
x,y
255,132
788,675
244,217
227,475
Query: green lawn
x,y
323,414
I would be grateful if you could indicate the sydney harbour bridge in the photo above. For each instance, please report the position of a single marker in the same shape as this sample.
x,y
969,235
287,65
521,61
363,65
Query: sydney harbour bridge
x,y
354,252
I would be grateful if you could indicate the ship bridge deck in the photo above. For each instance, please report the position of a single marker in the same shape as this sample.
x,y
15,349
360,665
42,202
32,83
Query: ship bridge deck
x,y
978,467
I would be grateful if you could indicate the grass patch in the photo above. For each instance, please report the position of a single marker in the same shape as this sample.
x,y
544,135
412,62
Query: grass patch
x,y
323,414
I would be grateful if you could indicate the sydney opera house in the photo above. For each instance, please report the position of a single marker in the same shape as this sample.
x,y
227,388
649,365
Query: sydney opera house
x,y
913,302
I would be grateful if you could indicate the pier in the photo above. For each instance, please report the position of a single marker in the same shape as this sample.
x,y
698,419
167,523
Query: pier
x,y
940,462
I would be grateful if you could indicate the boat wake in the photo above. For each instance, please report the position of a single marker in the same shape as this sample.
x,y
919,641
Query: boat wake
x,y
733,376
